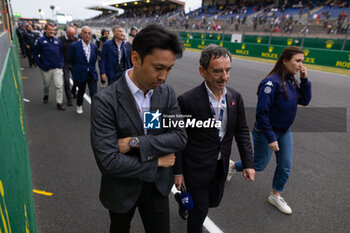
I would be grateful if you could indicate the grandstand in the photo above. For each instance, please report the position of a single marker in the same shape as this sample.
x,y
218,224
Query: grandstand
x,y
317,18
333,12
135,13
260,17
107,11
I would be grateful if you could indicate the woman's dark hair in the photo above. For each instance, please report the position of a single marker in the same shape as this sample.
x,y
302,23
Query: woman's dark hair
x,y
153,37
103,31
281,69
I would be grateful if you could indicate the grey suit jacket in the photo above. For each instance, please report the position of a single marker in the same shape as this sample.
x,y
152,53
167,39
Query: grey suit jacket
x,y
114,115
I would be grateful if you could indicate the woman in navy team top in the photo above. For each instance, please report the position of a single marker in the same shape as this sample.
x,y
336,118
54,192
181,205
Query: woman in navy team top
x,y
278,96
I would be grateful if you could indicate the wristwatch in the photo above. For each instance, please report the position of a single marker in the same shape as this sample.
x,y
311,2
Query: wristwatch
x,y
134,143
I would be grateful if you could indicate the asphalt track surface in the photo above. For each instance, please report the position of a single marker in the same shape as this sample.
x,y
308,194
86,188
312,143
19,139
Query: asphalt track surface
x,y
318,190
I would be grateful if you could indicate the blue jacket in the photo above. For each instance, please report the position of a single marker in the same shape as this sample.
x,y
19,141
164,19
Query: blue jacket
x,y
80,65
48,53
109,58
275,113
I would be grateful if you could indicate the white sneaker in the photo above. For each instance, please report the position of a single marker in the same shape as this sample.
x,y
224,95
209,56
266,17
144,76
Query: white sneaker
x,y
280,203
79,109
231,171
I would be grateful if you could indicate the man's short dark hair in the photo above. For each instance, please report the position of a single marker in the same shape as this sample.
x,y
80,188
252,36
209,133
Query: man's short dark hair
x,y
49,24
213,51
153,37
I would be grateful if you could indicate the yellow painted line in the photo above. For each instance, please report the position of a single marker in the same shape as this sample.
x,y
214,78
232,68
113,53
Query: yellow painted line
x,y
24,77
3,221
309,66
194,50
42,192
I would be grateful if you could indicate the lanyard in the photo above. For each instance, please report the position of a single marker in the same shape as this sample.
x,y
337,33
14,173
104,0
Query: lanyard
x,y
222,108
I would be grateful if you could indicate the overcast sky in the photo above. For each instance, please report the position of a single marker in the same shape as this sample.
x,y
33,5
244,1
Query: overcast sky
x,y
76,8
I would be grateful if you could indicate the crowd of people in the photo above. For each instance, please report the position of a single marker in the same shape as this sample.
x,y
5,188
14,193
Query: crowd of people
x,y
27,34
146,12
266,16
61,58
140,164
282,16
136,162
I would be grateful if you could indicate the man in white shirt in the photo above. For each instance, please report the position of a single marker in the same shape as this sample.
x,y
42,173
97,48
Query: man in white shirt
x,y
83,57
203,165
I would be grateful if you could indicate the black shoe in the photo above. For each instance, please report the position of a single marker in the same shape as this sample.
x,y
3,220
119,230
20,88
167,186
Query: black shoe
x,y
46,99
182,211
69,104
60,107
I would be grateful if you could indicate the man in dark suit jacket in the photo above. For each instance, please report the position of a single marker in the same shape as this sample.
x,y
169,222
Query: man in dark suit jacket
x,y
29,41
116,56
136,162
20,31
83,57
203,165
66,41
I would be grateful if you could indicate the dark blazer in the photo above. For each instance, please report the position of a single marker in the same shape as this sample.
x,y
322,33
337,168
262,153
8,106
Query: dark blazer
x,y
65,47
78,60
29,39
114,115
198,161
109,58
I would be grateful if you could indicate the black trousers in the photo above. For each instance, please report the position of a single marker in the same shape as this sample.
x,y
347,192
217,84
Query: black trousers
x,y
205,198
30,56
22,46
67,71
74,89
153,209
92,84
